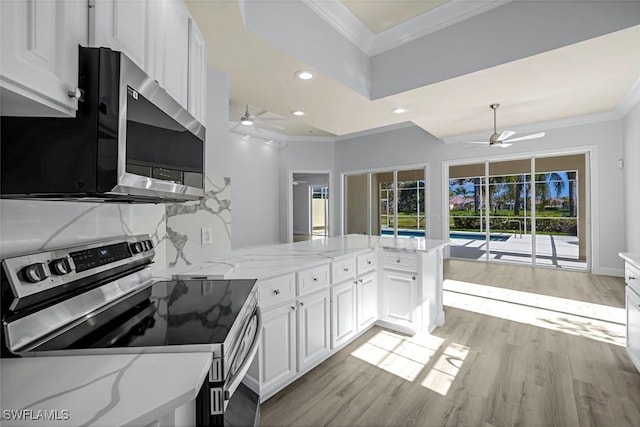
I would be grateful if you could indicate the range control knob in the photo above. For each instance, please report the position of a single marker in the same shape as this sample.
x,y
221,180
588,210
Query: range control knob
x,y
137,247
61,266
35,273
149,244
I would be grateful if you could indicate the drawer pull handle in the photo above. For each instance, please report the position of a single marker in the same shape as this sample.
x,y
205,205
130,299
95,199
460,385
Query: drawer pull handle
x,y
276,291
346,269
413,278
315,279
632,278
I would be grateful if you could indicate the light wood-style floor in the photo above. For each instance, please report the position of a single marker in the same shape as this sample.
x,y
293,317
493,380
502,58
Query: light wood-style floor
x,y
476,370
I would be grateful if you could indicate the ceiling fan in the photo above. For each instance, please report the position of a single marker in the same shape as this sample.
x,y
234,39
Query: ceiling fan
x,y
502,139
296,182
253,120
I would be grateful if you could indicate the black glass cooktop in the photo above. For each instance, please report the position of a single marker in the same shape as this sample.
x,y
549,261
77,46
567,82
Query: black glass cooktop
x,y
175,313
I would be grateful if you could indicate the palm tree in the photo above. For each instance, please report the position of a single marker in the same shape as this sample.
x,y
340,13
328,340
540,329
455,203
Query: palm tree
x,y
572,192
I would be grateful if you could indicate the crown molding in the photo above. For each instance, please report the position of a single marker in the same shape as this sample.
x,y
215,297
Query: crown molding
x,y
346,23
629,100
442,16
540,126
342,20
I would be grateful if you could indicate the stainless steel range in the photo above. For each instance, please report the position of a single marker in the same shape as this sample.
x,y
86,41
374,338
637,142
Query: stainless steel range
x,y
100,298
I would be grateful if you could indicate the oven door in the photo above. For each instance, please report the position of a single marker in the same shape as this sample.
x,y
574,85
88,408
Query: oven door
x,y
233,402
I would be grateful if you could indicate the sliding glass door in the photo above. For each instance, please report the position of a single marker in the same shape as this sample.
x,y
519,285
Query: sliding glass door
x,y
526,211
386,203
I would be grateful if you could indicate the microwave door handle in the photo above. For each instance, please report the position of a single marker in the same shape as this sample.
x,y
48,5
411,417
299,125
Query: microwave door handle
x,y
235,381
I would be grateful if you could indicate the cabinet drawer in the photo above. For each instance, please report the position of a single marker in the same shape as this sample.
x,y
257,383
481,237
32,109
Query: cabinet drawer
x,y
343,269
366,262
401,261
276,290
313,278
632,277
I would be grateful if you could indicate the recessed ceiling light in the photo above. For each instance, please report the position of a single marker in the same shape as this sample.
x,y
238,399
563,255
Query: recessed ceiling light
x,y
270,142
298,113
246,121
304,75
399,110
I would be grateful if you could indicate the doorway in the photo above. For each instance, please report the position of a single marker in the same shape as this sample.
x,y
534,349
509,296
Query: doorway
x,y
310,206
530,211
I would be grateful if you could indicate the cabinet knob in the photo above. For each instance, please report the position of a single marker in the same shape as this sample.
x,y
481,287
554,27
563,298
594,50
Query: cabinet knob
x,y
276,291
315,279
398,261
413,278
301,304
355,282
293,308
360,280
369,261
76,93
346,269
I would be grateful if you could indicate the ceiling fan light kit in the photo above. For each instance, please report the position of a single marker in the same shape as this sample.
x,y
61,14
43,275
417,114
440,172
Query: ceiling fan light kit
x,y
502,139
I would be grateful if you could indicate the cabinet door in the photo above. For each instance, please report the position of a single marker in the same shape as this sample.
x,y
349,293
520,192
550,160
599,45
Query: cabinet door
x,y
173,72
343,313
126,26
313,328
39,56
633,327
277,347
399,298
197,73
367,293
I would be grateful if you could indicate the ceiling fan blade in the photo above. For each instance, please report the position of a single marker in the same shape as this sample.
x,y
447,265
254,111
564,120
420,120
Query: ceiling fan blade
x,y
523,138
504,145
477,142
255,116
506,134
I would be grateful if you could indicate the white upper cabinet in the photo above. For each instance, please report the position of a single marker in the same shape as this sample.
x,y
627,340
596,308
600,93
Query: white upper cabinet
x,y
173,55
197,73
127,26
39,56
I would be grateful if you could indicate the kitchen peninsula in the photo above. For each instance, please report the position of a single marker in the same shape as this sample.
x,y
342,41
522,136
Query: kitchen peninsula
x,y
318,295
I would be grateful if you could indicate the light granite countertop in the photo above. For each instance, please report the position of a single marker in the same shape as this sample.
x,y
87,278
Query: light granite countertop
x,y
100,390
631,258
261,262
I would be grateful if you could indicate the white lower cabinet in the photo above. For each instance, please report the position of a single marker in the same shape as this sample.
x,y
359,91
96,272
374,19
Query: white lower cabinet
x,y
399,298
343,313
367,300
313,328
277,353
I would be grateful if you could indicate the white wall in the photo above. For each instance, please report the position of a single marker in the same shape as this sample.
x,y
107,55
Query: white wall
x,y
308,157
632,178
252,166
413,145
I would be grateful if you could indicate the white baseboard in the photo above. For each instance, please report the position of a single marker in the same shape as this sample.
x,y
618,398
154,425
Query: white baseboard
x,y
605,271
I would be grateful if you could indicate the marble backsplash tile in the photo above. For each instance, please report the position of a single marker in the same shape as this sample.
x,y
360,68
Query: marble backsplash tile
x,y
186,220
28,226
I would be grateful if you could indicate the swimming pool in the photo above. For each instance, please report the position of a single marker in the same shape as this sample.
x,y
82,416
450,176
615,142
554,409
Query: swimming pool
x,y
479,236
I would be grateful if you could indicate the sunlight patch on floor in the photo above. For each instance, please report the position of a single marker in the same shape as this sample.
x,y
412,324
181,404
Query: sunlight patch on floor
x,y
446,368
594,321
397,354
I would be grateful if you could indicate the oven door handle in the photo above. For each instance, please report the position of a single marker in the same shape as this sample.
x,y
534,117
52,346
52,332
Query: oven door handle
x,y
237,378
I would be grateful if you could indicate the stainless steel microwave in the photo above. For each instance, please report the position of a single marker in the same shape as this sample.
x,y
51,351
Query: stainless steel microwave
x,y
130,141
